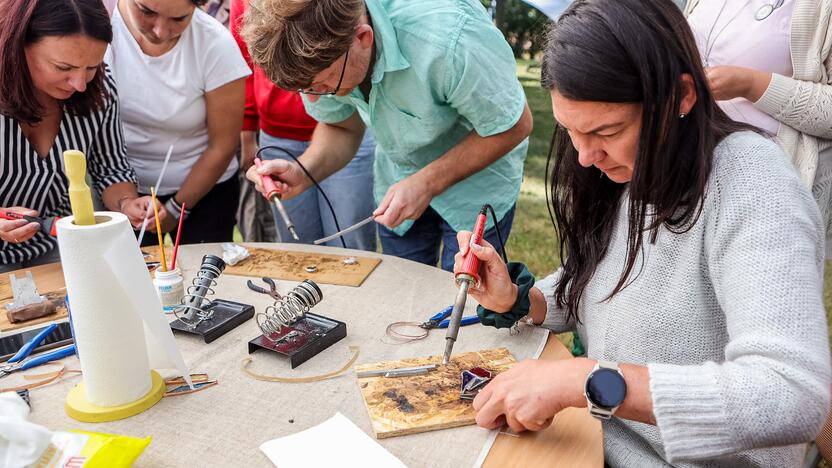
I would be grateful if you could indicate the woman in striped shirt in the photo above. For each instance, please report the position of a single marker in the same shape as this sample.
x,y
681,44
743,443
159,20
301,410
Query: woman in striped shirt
x,y
55,95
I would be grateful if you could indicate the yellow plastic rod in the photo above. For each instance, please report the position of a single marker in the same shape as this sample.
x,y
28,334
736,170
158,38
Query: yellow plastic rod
x,y
158,229
80,197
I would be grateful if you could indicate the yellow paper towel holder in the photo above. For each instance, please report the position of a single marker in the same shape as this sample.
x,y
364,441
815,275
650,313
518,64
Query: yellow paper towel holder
x,y
79,407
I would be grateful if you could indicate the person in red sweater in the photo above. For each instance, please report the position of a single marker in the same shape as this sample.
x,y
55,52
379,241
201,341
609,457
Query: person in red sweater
x,y
276,118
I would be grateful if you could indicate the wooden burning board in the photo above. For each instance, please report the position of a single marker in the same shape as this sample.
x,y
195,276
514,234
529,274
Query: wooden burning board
x,y
290,265
428,402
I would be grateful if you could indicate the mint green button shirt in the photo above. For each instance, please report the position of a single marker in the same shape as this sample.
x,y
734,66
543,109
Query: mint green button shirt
x,y
442,69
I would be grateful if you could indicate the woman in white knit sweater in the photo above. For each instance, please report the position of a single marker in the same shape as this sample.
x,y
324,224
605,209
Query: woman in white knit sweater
x,y
768,63
692,256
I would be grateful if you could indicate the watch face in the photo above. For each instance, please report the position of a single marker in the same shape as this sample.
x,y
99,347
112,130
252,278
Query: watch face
x,y
606,388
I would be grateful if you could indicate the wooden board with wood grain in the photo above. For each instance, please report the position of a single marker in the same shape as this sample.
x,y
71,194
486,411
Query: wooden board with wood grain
x,y
50,283
421,403
575,439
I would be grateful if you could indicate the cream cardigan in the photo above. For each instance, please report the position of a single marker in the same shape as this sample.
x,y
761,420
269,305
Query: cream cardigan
x,y
803,102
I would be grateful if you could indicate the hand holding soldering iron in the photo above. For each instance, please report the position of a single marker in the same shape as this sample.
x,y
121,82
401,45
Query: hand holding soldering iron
x,y
406,199
288,177
495,290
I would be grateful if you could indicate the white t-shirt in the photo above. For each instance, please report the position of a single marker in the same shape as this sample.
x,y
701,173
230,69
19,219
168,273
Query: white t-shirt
x,y
162,99
737,38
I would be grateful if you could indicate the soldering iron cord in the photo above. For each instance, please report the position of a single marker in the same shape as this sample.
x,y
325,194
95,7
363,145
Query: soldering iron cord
x,y
318,186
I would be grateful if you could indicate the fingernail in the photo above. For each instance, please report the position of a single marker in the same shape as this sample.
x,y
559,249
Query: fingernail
x,y
475,246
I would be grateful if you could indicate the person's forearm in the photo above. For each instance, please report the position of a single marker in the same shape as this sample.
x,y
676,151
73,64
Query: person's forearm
x,y
204,174
473,154
537,309
332,147
248,148
637,405
758,82
115,195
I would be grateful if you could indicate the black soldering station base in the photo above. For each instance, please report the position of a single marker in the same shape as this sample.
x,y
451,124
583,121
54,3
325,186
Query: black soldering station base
x,y
227,316
303,340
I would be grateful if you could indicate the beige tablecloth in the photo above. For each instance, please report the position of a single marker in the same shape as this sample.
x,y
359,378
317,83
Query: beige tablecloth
x,y
224,425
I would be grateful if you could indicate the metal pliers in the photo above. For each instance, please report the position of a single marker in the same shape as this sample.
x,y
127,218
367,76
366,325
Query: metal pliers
x,y
20,362
440,320
272,291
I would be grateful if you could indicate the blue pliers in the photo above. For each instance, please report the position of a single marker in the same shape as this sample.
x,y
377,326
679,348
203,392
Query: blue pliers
x,y
20,362
440,320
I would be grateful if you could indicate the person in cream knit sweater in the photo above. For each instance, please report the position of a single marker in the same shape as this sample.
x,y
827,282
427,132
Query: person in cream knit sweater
x,y
768,63
692,258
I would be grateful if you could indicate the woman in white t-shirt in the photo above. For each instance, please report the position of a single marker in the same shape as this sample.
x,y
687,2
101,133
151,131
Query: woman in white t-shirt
x,y
180,79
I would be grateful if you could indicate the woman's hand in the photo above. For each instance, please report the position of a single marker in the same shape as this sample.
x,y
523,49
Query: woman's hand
x,y
19,230
530,394
135,209
727,82
168,222
496,291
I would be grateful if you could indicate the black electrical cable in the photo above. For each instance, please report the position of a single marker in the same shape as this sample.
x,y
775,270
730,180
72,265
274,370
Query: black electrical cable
x,y
497,228
326,199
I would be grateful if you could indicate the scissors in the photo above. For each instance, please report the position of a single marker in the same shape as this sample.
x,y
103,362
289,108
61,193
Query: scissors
x,y
22,361
272,291
440,320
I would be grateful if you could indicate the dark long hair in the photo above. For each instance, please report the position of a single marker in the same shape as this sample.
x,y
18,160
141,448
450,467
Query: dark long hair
x,y
627,51
24,22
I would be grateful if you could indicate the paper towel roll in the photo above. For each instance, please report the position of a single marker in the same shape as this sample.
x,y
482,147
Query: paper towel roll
x,y
112,299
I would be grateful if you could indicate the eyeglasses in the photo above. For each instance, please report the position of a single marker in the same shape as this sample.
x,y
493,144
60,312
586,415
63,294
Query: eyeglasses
x,y
311,91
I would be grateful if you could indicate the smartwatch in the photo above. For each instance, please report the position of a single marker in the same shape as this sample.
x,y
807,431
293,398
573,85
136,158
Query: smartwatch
x,y
605,390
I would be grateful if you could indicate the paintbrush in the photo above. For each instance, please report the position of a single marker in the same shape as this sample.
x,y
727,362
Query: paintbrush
x,y
164,264
158,182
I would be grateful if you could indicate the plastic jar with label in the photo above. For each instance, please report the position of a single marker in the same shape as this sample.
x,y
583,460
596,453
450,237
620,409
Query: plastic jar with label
x,y
170,287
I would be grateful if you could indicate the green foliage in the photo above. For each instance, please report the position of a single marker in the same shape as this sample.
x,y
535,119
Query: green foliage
x,y
524,26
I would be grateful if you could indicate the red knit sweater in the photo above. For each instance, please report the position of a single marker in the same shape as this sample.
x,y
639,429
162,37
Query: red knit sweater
x,y
278,112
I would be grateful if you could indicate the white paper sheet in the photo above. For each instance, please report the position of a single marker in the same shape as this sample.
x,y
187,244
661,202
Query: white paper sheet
x,y
346,446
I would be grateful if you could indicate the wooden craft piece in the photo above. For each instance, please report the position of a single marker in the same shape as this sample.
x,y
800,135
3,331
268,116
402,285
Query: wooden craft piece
x,y
421,403
49,284
290,265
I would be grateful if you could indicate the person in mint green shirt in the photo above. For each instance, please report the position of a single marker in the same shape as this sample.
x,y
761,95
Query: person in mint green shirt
x,y
435,81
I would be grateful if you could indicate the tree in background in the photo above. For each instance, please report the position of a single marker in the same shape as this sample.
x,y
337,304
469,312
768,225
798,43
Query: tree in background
x,y
523,26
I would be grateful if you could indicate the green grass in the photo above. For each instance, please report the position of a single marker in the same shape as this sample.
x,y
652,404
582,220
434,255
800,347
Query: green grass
x,y
532,235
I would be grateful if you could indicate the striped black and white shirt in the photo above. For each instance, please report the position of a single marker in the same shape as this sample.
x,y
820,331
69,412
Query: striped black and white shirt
x,y
40,183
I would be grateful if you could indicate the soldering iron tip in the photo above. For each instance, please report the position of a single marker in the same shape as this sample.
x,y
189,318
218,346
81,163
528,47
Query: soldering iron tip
x,y
294,233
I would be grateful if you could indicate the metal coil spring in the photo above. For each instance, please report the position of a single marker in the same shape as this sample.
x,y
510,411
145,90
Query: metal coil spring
x,y
291,308
193,308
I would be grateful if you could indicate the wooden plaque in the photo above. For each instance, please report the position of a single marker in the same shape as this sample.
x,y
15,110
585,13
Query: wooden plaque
x,y
428,402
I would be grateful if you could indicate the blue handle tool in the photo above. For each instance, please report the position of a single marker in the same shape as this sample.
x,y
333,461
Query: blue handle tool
x,y
32,344
48,357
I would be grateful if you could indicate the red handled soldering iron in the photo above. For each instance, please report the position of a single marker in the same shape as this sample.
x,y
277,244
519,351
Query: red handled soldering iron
x,y
48,225
273,194
469,273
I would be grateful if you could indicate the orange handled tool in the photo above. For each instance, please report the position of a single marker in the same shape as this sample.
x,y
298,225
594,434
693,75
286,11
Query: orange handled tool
x,y
469,273
273,194
47,225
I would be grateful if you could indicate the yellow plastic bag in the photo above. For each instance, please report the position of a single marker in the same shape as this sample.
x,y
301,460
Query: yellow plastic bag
x,y
92,450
